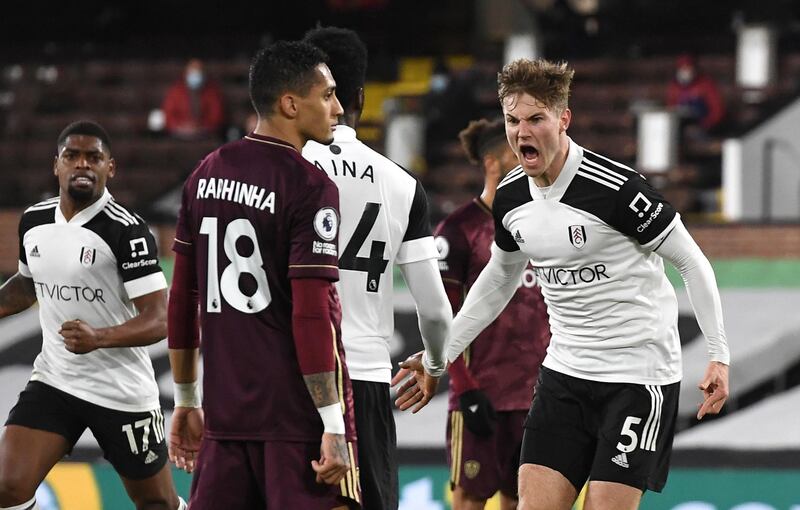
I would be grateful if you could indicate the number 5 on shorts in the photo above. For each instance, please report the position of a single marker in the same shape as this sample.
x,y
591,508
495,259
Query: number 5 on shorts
x,y
627,431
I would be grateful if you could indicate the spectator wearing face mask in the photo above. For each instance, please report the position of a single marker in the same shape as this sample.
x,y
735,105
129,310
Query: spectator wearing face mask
x,y
193,107
695,95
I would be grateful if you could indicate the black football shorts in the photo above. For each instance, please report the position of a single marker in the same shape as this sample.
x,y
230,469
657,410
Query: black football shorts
x,y
132,442
589,430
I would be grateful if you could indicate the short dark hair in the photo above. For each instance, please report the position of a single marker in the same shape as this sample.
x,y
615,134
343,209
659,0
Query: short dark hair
x,y
282,67
481,136
347,58
87,128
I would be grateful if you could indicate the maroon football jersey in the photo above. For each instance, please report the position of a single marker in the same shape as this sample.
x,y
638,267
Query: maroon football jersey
x,y
505,358
255,214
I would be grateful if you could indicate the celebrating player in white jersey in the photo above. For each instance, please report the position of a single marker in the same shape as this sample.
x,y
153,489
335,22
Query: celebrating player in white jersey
x,y
596,232
384,222
93,268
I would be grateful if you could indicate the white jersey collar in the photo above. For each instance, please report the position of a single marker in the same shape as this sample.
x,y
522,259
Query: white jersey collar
x,y
85,215
344,133
562,182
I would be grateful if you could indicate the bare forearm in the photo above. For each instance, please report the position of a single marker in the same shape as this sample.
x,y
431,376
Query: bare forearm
x,y
137,332
322,388
147,328
16,295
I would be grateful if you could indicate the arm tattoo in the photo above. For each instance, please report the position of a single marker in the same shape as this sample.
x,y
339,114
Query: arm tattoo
x,y
322,387
16,295
341,449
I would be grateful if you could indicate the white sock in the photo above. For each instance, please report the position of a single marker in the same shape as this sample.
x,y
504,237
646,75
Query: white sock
x,y
28,505
181,504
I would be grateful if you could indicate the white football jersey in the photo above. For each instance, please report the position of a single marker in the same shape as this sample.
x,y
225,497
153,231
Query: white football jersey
x,y
90,268
592,242
384,222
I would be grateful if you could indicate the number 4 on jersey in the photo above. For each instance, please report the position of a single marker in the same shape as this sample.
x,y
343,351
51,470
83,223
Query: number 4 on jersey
x,y
375,264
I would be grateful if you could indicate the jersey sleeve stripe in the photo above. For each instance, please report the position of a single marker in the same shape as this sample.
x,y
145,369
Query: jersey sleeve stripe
x,y
145,285
122,212
603,173
111,214
605,170
42,207
292,266
615,163
182,242
45,203
598,180
513,173
512,179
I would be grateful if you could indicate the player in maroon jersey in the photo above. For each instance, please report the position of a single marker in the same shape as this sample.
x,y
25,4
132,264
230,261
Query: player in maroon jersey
x,y
256,246
488,400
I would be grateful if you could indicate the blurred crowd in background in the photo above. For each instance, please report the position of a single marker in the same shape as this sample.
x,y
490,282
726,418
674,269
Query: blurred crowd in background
x,y
169,82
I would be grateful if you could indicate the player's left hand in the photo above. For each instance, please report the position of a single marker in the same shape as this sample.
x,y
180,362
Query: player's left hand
x,y
185,437
418,390
715,389
412,364
79,337
334,461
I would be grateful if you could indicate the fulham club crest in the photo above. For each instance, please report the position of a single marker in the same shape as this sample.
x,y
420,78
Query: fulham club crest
x,y
87,256
577,236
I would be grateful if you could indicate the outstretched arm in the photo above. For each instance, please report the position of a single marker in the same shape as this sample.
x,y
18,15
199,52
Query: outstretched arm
x,y
435,315
433,311
682,251
491,292
16,295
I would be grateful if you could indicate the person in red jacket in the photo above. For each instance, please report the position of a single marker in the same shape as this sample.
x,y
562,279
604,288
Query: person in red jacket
x,y
695,95
193,106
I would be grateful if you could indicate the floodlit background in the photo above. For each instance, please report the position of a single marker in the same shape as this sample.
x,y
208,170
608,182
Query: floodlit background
x,y
734,176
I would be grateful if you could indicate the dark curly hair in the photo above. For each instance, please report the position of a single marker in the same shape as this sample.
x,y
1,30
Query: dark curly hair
x,y
482,136
282,67
347,59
